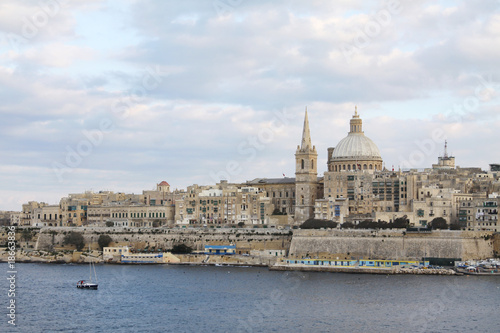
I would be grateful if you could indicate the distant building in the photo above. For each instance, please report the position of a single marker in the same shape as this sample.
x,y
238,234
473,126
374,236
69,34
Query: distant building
x,y
445,161
124,255
220,249
481,214
494,167
223,204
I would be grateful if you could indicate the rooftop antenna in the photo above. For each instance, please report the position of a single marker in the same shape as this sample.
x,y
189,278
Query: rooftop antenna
x,y
445,149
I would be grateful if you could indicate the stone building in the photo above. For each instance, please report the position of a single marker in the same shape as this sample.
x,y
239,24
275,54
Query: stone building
x,y
481,213
445,161
28,215
223,204
281,191
332,209
47,216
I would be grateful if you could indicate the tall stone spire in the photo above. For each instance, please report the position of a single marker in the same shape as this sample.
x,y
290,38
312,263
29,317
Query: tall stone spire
x,y
306,176
306,135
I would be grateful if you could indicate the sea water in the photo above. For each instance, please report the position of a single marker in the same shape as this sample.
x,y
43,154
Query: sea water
x,y
163,298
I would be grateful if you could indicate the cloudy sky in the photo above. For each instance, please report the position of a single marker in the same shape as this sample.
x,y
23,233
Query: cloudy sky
x,y
120,95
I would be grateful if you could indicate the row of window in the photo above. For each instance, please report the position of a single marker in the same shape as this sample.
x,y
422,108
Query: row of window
x,y
347,167
138,215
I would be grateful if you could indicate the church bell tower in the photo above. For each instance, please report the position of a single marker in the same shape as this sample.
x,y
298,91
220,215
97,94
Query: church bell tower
x,y
306,176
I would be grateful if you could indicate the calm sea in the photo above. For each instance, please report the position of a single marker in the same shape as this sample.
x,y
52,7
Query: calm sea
x,y
245,299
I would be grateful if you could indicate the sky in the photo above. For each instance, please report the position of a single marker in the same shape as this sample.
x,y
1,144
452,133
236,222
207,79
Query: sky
x,y
120,95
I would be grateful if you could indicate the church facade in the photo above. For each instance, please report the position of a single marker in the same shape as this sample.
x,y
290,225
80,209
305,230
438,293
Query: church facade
x,y
355,158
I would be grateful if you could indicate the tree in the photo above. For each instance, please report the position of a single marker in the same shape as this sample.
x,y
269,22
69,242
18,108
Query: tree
x,y
104,241
109,224
241,224
156,223
318,224
76,239
401,222
181,249
439,223
347,225
367,224
455,226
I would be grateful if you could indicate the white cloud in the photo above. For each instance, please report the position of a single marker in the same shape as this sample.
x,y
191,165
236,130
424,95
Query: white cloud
x,y
222,80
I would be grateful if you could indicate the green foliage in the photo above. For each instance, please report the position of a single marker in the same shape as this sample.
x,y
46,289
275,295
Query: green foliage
x,y
455,226
104,241
347,225
318,224
241,224
367,225
401,222
181,249
156,223
438,223
109,224
76,239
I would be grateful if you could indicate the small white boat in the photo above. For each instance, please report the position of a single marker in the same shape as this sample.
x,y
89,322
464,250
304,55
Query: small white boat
x,y
83,284
86,285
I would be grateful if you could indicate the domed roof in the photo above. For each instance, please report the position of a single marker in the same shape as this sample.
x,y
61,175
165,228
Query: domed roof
x,y
356,146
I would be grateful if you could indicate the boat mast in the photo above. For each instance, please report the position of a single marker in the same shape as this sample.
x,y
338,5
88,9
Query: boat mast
x,y
90,266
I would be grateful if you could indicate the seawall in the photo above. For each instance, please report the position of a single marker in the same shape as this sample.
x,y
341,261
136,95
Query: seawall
x,y
160,238
375,244
392,244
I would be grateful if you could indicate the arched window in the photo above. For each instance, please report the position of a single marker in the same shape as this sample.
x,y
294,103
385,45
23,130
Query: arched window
x,y
354,167
349,167
364,166
335,168
371,167
302,199
302,164
312,164
343,166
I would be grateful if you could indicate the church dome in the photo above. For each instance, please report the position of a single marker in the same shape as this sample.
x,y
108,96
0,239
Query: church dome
x,y
356,146
355,151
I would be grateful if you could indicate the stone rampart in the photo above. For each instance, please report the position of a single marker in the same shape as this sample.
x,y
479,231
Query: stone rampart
x,y
160,238
381,244
392,244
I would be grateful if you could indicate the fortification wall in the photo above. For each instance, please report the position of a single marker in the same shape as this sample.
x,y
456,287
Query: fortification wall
x,y
383,244
256,239
392,244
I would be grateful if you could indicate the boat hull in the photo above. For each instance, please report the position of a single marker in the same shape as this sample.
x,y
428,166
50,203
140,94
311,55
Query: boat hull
x,y
86,285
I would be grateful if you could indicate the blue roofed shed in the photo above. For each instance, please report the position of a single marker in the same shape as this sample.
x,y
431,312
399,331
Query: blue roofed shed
x,y
220,249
